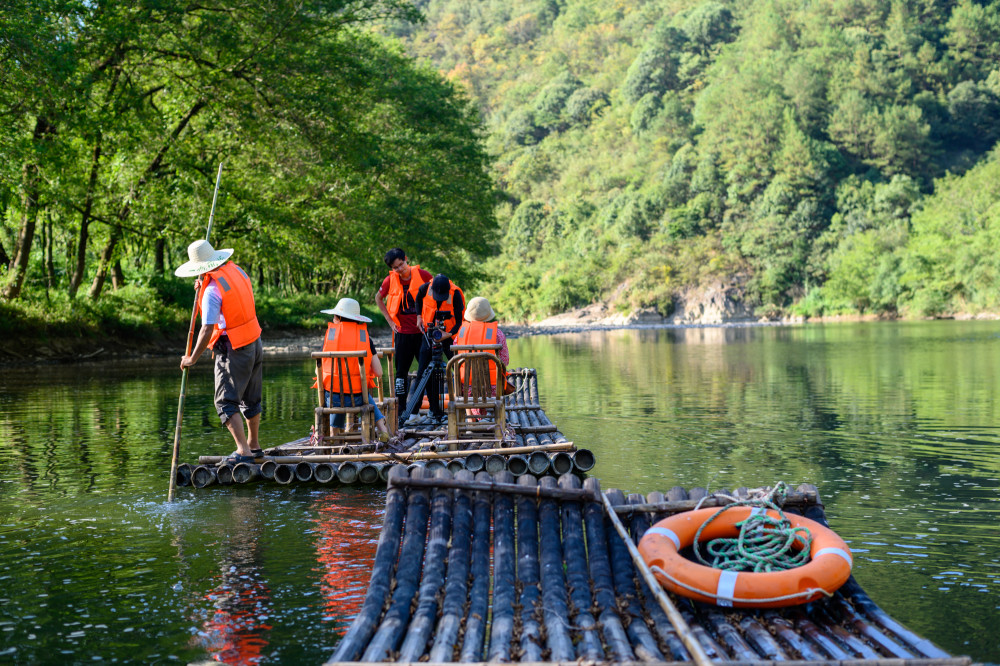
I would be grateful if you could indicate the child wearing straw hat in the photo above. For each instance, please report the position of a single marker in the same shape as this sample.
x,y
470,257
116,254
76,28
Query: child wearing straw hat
x,y
349,332
230,328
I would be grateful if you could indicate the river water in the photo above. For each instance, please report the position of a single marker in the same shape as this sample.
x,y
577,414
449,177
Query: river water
x,y
898,425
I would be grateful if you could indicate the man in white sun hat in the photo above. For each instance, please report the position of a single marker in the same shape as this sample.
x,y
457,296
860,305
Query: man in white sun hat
x,y
349,333
229,326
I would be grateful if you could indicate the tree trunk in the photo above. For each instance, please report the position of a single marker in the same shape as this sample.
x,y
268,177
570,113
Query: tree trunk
x,y
160,251
81,247
117,276
50,268
102,269
29,217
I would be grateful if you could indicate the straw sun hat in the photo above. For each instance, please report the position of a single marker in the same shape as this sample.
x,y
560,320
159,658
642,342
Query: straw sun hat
x,y
202,259
478,309
348,308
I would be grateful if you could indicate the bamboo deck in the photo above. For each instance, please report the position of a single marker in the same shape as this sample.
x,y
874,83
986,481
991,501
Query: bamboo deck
x,y
531,444
477,568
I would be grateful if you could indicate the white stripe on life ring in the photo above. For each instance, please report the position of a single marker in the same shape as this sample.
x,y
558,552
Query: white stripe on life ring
x,y
835,551
670,534
757,510
726,589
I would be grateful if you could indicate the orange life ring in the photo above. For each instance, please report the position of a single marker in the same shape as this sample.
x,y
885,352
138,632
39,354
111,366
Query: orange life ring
x,y
828,568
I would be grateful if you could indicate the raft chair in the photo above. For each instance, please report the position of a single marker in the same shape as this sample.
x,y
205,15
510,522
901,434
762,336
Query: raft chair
x,y
365,413
387,400
470,387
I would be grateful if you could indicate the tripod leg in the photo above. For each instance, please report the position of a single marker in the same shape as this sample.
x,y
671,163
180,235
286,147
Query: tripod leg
x,y
413,404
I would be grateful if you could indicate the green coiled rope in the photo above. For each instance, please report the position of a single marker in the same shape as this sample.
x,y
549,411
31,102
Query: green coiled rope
x,y
763,544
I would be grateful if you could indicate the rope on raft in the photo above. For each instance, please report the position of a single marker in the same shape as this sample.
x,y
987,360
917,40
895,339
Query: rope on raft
x,y
764,543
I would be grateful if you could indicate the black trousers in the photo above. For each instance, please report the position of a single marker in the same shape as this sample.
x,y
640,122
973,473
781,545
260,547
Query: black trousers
x,y
434,384
406,350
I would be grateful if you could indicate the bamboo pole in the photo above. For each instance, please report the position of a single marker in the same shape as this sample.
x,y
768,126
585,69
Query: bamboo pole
x,y
615,637
639,523
555,611
419,630
390,631
187,352
457,578
683,630
794,498
502,630
623,574
405,456
497,486
528,572
577,577
479,593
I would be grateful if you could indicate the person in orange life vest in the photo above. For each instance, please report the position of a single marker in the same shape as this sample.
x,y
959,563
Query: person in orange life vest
x,y
439,304
480,329
349,332
396,298
229,325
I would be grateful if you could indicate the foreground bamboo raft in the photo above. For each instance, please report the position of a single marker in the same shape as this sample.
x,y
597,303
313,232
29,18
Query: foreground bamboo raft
x,y
475,568
531,445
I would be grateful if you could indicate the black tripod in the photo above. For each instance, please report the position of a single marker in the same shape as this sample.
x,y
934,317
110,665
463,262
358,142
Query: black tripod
x,y
434,369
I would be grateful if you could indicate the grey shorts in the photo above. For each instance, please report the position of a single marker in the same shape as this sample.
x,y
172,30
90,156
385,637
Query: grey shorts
x,y
238,378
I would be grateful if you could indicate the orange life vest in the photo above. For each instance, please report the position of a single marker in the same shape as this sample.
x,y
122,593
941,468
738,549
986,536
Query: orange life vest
x,y
447,306
395,297
238,307
478,333
346,336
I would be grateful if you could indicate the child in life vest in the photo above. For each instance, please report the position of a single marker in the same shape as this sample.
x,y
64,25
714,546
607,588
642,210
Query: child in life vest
x,y
349,332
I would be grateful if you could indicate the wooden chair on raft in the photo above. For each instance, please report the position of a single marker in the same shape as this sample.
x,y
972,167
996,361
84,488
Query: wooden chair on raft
x,y
470,387
341,363
386,398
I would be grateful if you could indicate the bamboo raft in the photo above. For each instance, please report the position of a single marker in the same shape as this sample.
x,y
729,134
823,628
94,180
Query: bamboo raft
x,y
477,568
531,445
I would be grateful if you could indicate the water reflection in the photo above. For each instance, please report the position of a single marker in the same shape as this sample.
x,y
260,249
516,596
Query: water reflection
x,y
897,424
237,631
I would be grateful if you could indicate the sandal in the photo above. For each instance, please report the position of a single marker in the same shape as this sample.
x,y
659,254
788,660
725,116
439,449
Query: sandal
x,y
236,459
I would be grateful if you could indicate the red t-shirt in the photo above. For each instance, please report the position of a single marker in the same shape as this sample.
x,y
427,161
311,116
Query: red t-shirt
x,y
408,311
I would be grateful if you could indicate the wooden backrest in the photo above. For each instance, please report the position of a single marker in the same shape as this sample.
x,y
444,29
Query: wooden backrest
x,y
340,363
386,354
468,375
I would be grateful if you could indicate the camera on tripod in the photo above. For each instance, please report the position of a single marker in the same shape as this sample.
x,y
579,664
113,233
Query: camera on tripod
x,y
436,329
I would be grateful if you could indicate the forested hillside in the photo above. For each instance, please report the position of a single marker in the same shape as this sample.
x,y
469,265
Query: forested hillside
x,y
828,156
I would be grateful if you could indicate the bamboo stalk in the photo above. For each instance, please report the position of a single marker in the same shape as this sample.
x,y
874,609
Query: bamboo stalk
x,y
496,486
502,630
406,455
420,627
555,611
528,571
357,636
602,582
457,577
475,619
411,556
577,577
784,630
677,506
683,630
623,575
638,525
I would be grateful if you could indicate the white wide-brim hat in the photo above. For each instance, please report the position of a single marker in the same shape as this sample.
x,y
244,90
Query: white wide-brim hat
x,y
479,309
348,308
202,259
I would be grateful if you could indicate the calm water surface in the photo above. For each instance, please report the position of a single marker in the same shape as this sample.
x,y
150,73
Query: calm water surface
x,y
897,424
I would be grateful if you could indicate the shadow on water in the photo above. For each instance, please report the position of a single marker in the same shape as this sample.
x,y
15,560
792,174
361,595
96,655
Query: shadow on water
x,y
897,424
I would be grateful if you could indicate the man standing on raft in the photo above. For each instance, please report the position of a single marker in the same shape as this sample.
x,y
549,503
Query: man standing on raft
x,y
230,328
397,299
